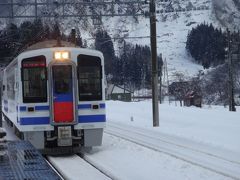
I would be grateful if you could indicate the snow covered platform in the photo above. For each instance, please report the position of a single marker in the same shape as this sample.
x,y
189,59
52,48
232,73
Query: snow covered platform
x,y
20,160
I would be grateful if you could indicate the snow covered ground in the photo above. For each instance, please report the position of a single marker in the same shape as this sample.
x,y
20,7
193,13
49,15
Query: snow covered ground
x,y
212,125
124,160
195,133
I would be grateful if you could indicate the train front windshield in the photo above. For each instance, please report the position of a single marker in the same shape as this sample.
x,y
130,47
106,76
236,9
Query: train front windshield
x,y
34,80
62,79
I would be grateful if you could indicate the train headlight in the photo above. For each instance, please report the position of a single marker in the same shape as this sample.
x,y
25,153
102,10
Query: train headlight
x,y
57,55
65,55
61,55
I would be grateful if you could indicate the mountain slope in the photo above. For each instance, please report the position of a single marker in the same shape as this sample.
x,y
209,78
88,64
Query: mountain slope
x,y
227,13
175,19
172,30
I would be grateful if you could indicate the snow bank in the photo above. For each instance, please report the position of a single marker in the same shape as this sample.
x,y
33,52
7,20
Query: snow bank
x,y
214,126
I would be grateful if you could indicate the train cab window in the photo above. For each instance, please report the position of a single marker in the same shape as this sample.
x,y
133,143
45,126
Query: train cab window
x,y
34,79
62,76
89,78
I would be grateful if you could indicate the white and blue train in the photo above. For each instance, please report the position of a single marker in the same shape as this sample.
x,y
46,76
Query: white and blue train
x,y
55,98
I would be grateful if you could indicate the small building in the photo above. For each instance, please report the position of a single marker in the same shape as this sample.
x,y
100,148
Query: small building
x,y
115,92
193,99
178,89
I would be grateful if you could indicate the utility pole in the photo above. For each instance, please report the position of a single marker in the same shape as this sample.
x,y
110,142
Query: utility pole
x,y
1,91
230,75
153,37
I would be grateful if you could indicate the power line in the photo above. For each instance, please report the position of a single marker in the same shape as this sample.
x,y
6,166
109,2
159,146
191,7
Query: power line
x,y
106,8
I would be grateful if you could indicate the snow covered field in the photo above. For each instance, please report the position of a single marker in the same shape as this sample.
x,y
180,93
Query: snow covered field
x,y
213,127
190,144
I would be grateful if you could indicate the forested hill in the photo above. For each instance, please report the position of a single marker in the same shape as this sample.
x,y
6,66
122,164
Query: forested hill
x,y
175,19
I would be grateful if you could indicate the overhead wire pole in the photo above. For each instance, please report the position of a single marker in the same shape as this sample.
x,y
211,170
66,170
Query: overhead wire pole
x,y
230,74
153,38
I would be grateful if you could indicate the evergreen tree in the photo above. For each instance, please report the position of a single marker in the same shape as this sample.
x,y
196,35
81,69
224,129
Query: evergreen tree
x,y
12,33
9,42
37,30
26,32
79,41
5,50
206,45
56,33
72,36
132,68
103,43
47,32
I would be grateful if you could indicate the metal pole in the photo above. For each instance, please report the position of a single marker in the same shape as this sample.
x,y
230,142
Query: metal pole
x,y
36,13
1,114
1,81
230,76
153,36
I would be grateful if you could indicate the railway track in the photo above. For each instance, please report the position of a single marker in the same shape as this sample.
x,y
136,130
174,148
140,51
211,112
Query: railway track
x,y
76,167
49,163
220,161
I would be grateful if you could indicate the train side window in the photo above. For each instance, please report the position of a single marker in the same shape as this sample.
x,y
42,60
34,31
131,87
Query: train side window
x,y
89,78
34,79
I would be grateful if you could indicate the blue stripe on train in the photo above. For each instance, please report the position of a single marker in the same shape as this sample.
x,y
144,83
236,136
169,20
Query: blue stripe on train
x,y
89,106
23,108
46,120
41,108
91,118
63,98
37,108
45,108
102,106
34,120
84,106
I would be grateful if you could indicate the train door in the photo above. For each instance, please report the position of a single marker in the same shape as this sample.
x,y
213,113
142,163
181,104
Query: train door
x,y
63,86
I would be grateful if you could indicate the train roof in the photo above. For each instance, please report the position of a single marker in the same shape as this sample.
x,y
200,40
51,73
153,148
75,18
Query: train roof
x,y
79,50
48,51
49,46
52,45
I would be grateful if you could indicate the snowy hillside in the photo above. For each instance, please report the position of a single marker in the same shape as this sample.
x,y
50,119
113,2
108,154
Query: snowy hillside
x,y
172,30
227,13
